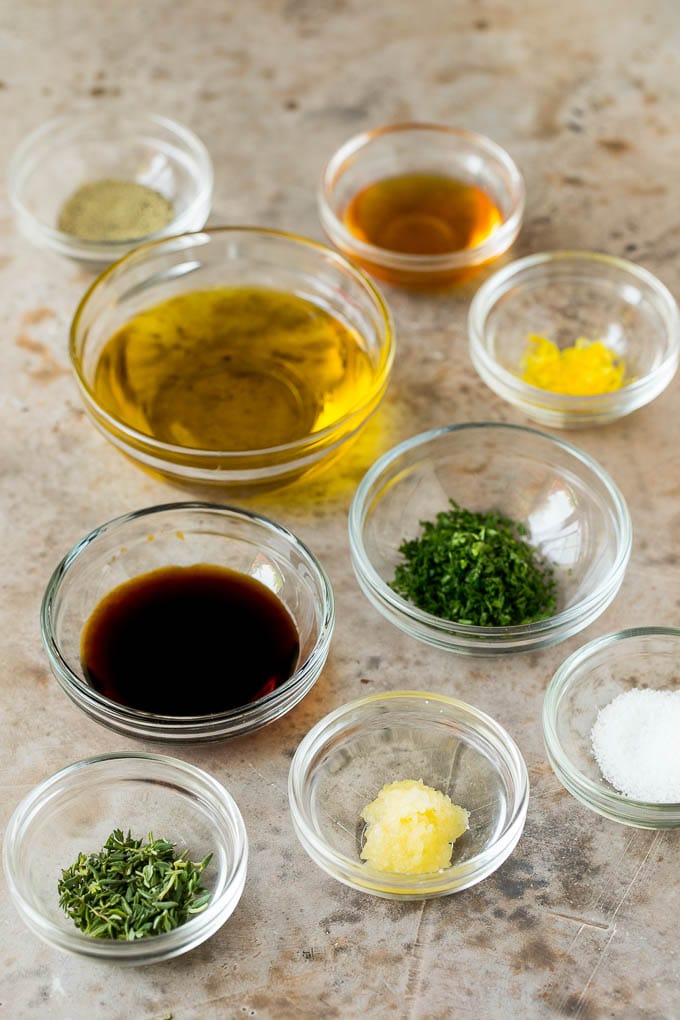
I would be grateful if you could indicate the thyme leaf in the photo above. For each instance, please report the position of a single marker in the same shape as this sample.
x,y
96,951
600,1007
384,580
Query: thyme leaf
x,y
131,889
476,569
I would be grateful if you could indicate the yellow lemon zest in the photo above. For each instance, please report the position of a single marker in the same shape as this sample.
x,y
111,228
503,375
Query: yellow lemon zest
x,y
588,368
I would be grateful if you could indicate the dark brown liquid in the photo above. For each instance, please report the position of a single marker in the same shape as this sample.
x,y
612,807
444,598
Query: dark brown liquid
x,y
184,641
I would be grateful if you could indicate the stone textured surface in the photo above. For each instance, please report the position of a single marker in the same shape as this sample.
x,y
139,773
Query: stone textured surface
x,y
581,921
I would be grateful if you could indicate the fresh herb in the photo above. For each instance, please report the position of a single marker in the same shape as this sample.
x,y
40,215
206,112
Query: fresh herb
x,y
476,569
131,889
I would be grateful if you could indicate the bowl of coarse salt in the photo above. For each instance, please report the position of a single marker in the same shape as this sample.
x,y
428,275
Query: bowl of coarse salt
x,y
611,724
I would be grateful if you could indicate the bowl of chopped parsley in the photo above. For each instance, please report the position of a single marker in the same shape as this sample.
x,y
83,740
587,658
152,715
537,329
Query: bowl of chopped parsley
x,y
487,538
129,858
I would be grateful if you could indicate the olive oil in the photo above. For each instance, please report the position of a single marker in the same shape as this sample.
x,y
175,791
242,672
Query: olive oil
x,y
187,641
422,214
233,369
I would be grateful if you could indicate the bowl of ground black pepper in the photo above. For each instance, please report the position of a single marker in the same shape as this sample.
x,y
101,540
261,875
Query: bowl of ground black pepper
x,y
487,538
92,186
188,622
126,858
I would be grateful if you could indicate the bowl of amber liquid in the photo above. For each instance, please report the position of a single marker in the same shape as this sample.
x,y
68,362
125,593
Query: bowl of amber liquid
x,y
236,356
188,622
421,205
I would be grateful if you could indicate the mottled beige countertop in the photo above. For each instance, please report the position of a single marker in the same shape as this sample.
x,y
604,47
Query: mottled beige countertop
x,y
582,920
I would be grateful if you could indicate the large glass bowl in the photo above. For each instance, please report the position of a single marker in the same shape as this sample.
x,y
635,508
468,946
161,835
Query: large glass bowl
x,y
574,516
400,149
75,149
233,257
183,534
641,657
75,811
344,761
564,296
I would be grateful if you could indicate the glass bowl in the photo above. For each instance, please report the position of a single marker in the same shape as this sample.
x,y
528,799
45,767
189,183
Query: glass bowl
x,y
573,513
183,534
429,149
236,257
587,681
343,762
76,810
74,149
566,295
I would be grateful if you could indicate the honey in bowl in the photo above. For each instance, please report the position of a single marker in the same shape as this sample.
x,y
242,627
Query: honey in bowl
x,y
189,641
233,369
422,214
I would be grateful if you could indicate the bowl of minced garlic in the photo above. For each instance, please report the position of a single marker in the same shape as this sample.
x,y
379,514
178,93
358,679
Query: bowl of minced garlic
x,y
574,339
411,828
364,818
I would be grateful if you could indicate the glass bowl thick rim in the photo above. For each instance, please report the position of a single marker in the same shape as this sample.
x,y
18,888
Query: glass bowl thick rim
x,y
513,387
232,722
167,944
308,444
498,241
601,798
446,628
100,251
359,875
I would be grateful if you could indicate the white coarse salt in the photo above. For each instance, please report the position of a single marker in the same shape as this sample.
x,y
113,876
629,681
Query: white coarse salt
x,y
636,743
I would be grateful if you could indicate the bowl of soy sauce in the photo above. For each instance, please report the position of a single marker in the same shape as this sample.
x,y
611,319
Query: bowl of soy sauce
x,y
188,621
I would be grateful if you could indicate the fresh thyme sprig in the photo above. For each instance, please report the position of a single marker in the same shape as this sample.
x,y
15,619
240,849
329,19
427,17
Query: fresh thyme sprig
x,y
130,889
475,568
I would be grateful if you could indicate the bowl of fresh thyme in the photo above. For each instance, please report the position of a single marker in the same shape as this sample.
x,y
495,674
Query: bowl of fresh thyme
x,y
486,538
129,858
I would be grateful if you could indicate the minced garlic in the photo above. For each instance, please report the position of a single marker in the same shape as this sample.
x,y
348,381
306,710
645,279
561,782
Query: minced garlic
x,y
411,828
588,368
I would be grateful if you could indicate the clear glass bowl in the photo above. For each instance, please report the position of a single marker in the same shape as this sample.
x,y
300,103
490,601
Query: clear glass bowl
x,y
232,257
564,295
71,150
76,810
573,513
430,149
587,681
344,761
184,534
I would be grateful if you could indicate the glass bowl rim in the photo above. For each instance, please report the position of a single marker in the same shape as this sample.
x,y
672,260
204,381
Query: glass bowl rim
x,y
603,799
68,244
359,510
184,241
499,285
496,243
142,950
370,880
166,725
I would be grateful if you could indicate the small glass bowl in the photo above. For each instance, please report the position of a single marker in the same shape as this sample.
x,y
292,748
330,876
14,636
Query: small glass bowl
x,y
232,257
429,149
344,761
74,149
587,681
573,513
75,810
565,295
182,534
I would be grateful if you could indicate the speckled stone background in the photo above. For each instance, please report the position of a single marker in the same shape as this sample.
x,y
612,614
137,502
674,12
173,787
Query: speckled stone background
x,y
582,921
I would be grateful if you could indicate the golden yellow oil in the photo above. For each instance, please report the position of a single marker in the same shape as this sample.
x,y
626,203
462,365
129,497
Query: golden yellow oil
x,y
233,369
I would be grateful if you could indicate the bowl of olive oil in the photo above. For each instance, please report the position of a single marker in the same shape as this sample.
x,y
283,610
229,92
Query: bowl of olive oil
x,y
232,356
